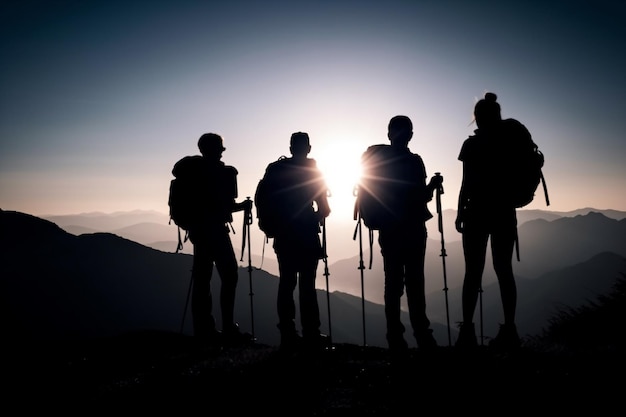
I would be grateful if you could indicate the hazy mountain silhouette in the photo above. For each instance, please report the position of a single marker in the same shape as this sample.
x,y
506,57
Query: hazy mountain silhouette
x,y
163,236
547,248
107,222
59,285
114,309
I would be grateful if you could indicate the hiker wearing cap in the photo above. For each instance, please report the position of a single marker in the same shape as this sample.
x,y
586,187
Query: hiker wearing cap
x,y
212,245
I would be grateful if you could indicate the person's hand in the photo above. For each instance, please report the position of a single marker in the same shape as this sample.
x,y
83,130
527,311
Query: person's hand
x,y
247,205
436,181
458,224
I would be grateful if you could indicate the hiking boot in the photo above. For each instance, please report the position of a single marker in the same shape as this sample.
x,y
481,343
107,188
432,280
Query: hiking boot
x,y
507,339
467,337
425,340
397,344
290,342
233,337
207,341
316,343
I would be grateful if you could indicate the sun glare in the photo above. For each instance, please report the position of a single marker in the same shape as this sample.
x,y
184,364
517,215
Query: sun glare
x,y
341,165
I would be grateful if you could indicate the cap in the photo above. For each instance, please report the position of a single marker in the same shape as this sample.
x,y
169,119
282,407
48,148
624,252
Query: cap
x,y
211,142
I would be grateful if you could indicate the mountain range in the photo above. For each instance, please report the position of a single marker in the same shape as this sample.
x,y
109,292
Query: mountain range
x,y
59,285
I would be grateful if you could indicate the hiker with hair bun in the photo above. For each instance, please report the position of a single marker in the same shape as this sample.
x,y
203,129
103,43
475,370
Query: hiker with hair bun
x,y
484,213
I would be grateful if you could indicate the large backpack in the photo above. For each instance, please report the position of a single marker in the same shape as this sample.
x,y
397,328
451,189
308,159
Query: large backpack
x,y
200,194
269,199
388,192
386,185
282,197
524,165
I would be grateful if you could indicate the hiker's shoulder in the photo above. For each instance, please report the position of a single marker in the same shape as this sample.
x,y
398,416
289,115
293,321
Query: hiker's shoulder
x,y
378,147
515,126
230,170
187,165
379,150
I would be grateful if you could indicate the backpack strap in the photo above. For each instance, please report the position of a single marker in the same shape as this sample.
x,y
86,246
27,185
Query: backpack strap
x,y
181,240
371,236
545,189
545,192
516,244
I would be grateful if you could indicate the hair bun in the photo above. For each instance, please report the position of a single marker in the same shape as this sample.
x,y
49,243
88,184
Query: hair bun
x,y
491,97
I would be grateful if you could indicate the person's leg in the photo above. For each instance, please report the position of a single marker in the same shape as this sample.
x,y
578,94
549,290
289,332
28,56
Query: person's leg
x,y
393,288
285,304
226,265
502,252
502,244
415,252
474,252
201,297
309,308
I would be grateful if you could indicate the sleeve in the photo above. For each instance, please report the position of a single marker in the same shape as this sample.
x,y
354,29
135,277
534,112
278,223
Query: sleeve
x,y
231,182
463,153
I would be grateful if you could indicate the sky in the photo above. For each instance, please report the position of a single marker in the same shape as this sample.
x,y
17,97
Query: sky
x,y
99,99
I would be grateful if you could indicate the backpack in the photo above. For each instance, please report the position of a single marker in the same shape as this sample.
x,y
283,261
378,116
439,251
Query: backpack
x,y
524,165
268,201
283,197
200,194
386,185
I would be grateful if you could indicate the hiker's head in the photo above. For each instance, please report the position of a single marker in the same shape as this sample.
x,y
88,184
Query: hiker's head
x,y
400,130
487,111
211,145
299,144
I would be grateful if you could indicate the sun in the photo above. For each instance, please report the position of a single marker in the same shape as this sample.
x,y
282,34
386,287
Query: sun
x,y
340,162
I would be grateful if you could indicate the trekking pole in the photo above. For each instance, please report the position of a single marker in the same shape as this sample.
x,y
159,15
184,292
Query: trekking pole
x,y
247,221
182,323
357,215
326,274
443,256
482,334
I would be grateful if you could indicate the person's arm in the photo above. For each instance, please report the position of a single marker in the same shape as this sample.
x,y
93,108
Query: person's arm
x,y
435,183
245,205
323,208
462,204
321,195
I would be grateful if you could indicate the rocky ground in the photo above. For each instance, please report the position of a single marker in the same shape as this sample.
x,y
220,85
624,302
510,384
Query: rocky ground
x,y
157,372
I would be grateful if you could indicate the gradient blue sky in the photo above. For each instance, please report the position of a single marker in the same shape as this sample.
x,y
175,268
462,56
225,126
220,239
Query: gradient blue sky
x,y
98,99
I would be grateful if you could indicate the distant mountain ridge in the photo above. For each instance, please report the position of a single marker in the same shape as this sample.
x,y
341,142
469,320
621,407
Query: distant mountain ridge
x,y
57,285
153,229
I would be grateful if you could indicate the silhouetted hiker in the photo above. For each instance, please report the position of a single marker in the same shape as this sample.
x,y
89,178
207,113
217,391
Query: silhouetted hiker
x,y
402,200
484,214
295,189
212,246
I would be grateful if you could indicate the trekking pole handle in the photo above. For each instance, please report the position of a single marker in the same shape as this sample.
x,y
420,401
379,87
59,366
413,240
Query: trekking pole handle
x,y
248,212
438,199
440,188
